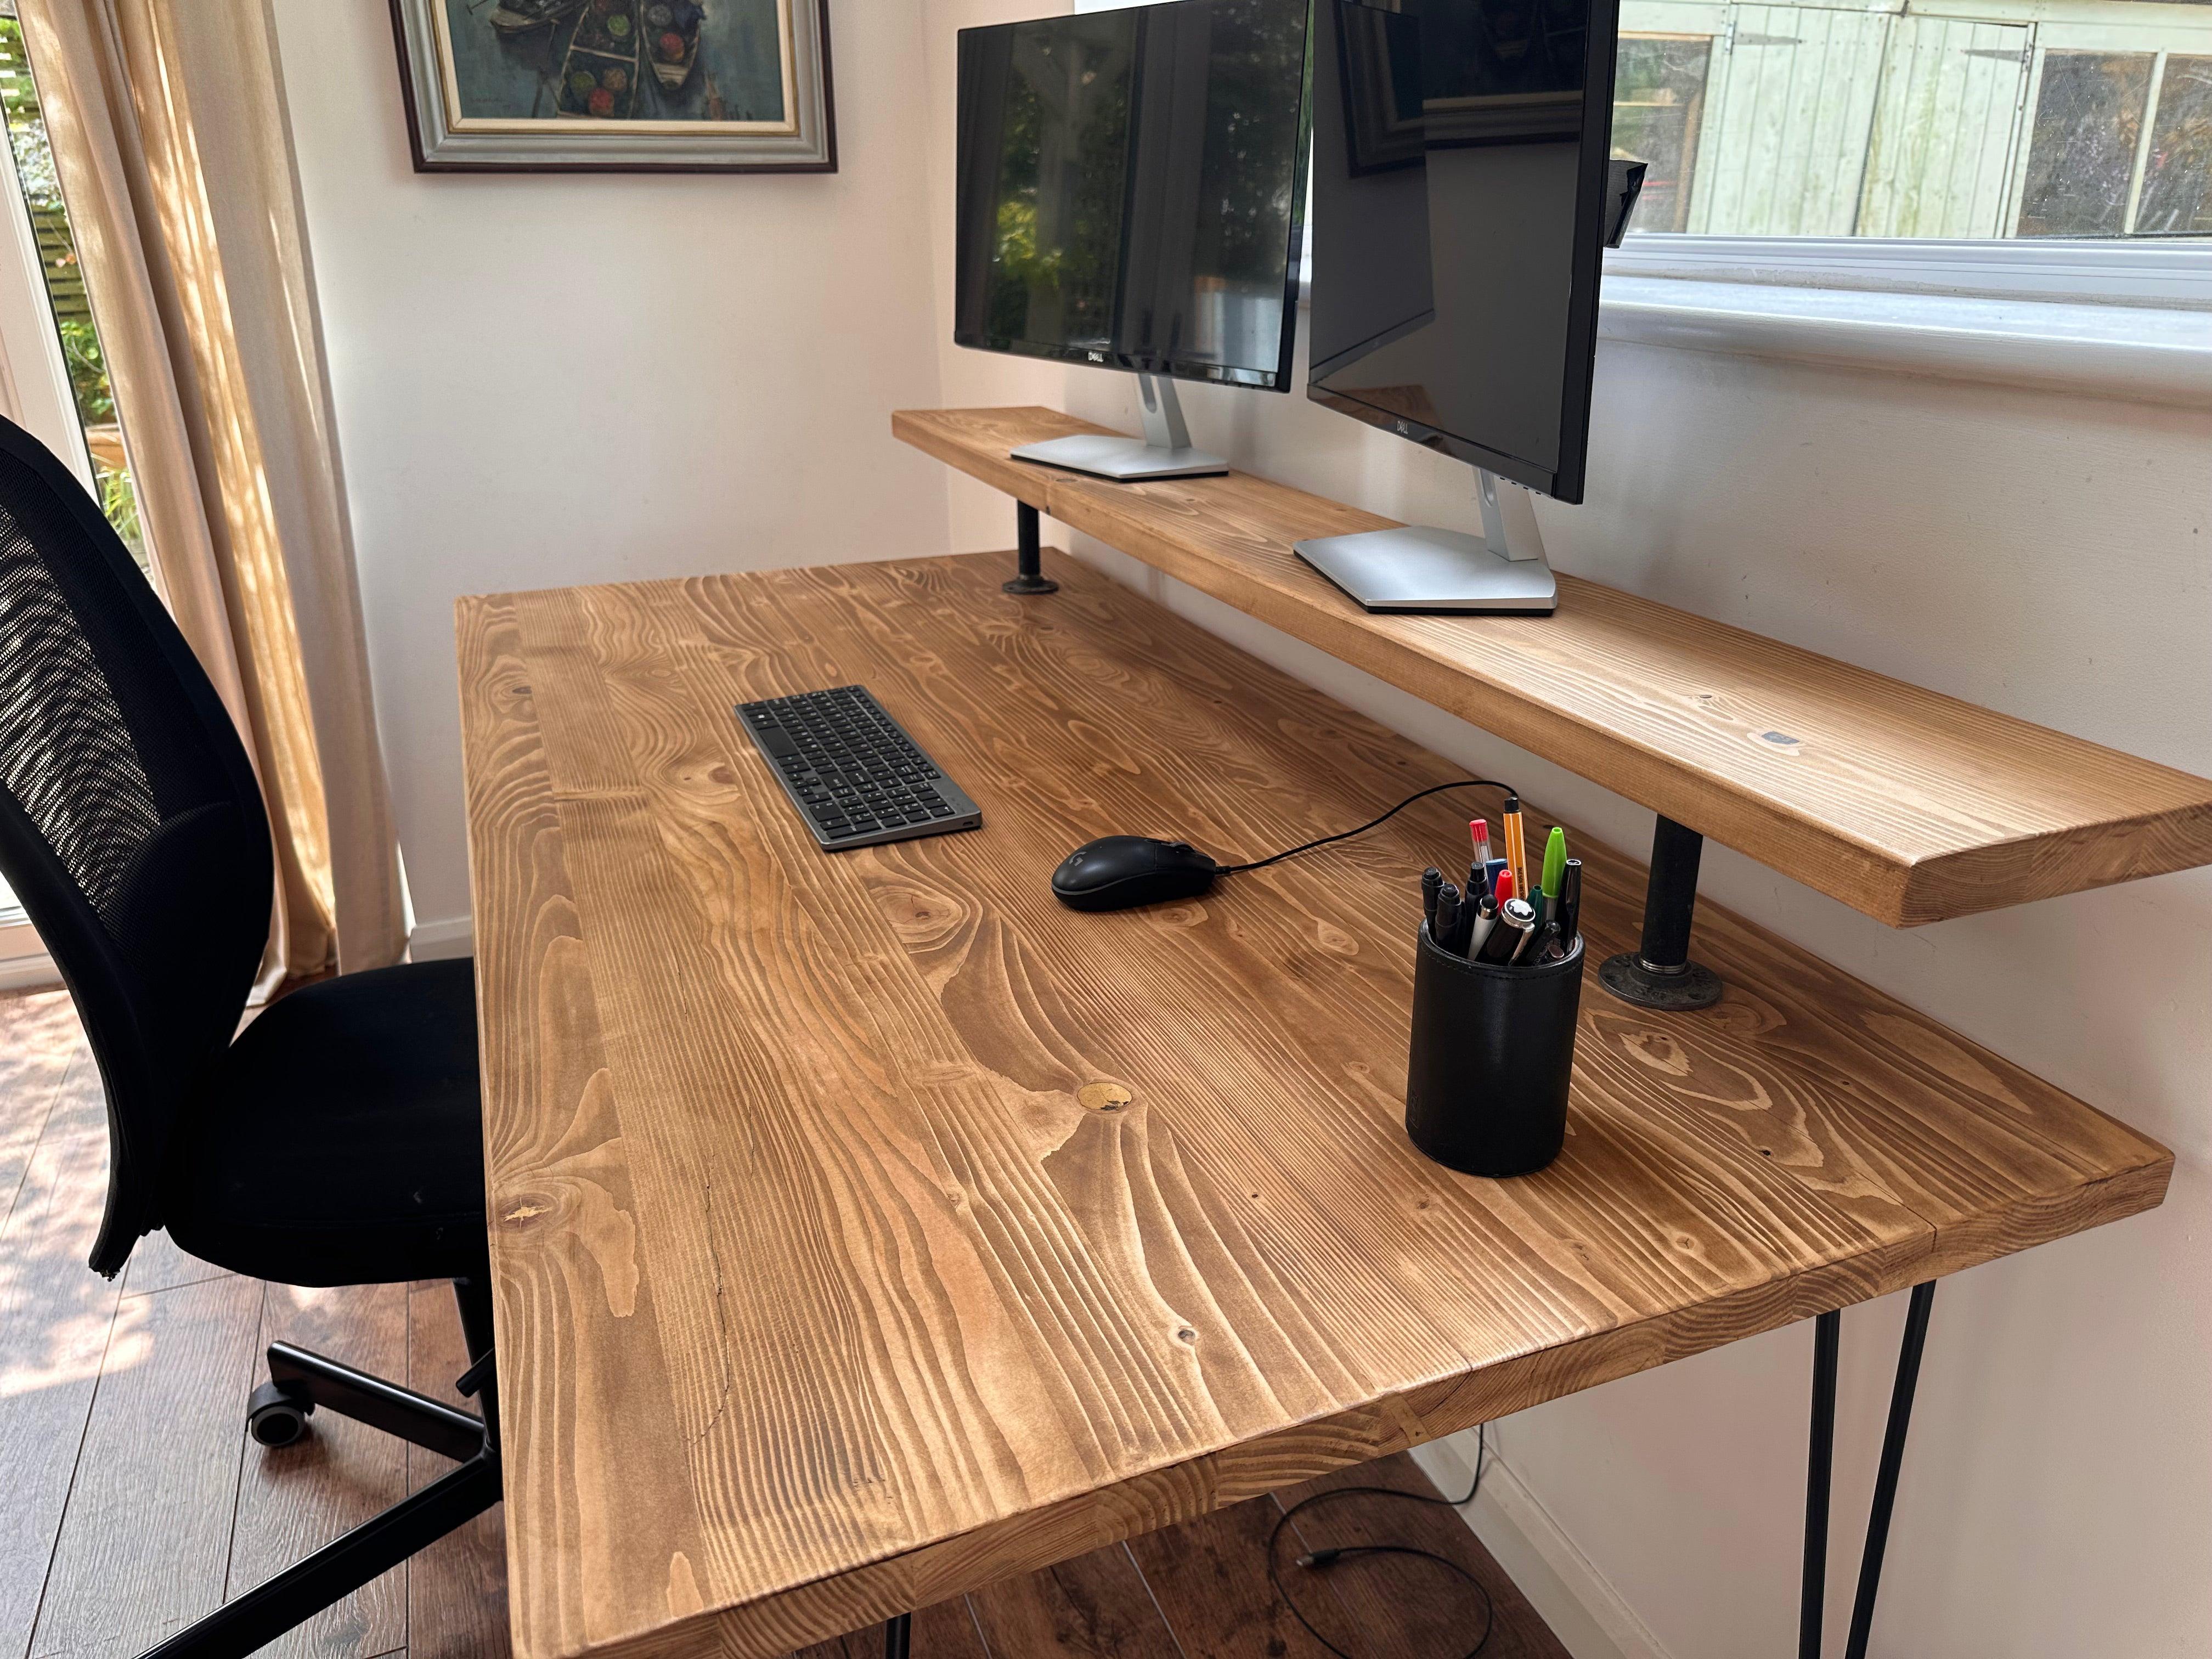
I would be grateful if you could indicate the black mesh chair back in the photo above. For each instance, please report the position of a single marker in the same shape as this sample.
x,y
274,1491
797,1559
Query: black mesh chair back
x,y
131,826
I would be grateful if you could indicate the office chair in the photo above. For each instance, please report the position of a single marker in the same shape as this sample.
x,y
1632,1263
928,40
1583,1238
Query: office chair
x,y
339,1140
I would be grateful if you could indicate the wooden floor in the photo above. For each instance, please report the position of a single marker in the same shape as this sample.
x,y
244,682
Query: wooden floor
x,y
131,1501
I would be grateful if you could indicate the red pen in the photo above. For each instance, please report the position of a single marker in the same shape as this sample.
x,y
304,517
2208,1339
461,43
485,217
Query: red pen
x,y
1504,889
1478,873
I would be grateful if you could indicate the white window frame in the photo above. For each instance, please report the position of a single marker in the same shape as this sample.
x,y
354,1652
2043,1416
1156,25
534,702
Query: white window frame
x,y
2122,317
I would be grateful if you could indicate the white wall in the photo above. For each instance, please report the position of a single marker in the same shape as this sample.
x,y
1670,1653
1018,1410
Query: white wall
x,y
550,378
2048,556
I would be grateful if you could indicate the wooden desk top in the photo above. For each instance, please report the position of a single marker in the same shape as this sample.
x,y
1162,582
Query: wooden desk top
x,y
1903,803
869,1227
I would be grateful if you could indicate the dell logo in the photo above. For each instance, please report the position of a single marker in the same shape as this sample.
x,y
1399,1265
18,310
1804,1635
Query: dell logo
x,y
1095,356
1405,429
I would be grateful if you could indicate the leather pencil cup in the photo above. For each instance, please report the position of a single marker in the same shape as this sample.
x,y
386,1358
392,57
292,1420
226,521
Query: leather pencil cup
x,y
1493,1053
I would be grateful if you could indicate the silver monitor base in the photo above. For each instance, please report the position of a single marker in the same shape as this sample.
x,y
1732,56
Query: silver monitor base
x,y
1415,568
1105,456
1165,451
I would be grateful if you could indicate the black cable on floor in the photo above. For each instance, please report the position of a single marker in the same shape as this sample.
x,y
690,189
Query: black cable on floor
x,y
1316,1560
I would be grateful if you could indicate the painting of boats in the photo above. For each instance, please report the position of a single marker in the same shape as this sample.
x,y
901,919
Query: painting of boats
x,y
643,85
671,39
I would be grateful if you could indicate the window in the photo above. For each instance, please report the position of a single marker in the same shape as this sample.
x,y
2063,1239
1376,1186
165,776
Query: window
x,y
1992,119
53,358
1658,102
90,394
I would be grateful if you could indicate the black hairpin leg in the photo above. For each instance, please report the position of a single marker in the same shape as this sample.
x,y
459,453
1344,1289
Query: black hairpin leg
x,y
1029,570
897,1634
1828,1342
1827,1338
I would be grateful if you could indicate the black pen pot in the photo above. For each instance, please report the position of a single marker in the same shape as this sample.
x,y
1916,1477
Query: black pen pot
x,y
1493,1054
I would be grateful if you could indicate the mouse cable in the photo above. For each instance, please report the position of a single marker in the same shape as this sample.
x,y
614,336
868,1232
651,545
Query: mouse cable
x,y
1308,847
1315,1560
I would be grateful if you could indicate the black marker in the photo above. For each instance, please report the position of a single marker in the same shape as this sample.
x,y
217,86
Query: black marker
x,y
1445,928
1431,879
1568,910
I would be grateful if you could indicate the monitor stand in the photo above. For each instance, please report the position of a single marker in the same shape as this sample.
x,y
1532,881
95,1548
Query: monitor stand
x,y
1412,568
1164,452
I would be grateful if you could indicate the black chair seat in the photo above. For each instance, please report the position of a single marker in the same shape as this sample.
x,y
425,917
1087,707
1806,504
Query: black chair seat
x,y
339,1140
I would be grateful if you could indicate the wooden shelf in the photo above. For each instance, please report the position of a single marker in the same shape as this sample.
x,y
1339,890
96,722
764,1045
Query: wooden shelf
x,y
1905,803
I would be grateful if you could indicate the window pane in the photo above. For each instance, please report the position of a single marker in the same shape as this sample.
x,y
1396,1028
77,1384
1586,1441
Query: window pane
x,y
2177,187
2081,154
1658,101
65,281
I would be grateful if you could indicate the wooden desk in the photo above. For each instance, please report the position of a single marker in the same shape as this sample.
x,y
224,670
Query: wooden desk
x,y
868,1228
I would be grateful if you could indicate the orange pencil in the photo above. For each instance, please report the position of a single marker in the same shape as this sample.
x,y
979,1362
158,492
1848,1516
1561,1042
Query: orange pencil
x,y
1517,849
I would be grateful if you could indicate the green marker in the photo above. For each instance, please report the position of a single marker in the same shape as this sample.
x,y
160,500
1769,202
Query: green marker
x,y
1555,875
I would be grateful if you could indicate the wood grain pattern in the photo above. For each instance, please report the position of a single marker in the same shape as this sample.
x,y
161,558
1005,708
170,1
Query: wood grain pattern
x,y
145,1546
1905,803
822,1294
294,1500
56,1314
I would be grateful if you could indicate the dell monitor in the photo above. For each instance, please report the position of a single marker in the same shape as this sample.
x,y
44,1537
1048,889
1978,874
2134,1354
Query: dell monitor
x,y
1461,197
1130,190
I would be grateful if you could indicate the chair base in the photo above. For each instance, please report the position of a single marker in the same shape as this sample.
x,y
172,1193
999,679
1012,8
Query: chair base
x,y
299,1383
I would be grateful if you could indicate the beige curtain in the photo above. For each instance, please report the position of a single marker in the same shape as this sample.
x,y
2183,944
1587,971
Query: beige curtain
x,y
173,147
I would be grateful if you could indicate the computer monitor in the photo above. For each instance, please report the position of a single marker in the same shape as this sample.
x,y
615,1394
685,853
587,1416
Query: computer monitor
x,y
1131,190
1462,195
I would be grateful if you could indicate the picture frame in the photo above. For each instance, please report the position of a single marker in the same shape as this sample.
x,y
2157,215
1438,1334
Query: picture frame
x,y
676,85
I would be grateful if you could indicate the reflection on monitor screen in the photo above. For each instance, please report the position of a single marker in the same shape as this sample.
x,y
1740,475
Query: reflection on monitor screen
x,y
1457,176
1130,187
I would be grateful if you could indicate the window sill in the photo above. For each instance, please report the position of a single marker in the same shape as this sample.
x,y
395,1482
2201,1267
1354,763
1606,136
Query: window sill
x,y
2144,353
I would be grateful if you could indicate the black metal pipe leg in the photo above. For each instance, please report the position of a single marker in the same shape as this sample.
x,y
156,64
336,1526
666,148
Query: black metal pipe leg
x,y
898,1632
1658,973
1827,1343
1029,569
1893,1461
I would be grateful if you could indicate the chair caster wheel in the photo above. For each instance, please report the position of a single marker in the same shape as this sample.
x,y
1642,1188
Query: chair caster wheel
x,y
274,1417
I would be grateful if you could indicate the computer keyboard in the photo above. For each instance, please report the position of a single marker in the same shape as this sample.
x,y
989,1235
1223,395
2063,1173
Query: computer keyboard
x,y
855,776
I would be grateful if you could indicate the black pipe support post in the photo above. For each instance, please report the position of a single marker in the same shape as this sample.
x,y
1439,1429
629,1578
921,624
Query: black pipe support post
x,y
898,1633
1658,973
1029,570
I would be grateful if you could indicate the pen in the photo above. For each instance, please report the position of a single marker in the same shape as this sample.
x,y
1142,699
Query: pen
x,y
1549,944
1516,850
1533,943
1445,924
1496,869
1431,879
1478,873
1503,887
1516,921
1555,874
1571,904
1485,918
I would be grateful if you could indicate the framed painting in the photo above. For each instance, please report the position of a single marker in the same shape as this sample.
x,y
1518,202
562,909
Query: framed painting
x,y
618,86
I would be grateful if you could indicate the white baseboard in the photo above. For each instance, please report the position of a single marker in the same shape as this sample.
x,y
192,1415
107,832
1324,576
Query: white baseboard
x,y
28,973
1583,1610
432,941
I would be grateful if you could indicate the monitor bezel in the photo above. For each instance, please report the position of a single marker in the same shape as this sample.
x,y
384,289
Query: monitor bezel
x,y
1204,373
1564,481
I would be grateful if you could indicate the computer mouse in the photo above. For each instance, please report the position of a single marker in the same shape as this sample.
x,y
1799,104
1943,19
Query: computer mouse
x,y
1116,873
